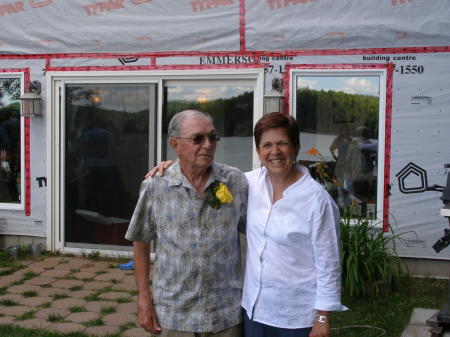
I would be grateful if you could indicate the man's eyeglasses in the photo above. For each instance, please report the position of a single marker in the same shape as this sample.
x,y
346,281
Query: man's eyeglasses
x,y
200,138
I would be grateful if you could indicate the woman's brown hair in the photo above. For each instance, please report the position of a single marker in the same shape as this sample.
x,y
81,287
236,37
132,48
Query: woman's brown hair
x,y
277,120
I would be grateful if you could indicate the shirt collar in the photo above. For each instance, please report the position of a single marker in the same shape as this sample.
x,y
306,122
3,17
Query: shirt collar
x,y
176,177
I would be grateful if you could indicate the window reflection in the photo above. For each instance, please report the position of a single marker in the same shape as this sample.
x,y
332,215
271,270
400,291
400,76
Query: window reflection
x,y
338,118
105,160
231,107
10,145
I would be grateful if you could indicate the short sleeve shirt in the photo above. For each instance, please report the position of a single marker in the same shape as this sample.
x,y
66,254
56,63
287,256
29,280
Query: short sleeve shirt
x,y
197,279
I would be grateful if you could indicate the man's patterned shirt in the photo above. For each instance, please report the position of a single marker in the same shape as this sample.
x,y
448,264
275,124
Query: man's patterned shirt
x,y
197,277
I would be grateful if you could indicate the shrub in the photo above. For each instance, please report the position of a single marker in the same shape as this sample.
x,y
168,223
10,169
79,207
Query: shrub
x,y
368,256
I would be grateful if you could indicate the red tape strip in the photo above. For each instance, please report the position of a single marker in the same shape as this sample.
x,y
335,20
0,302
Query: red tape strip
x,y
242,25
360,51
161,67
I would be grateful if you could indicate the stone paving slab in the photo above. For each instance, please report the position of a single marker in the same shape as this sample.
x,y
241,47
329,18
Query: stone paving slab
x,y
416,331
21,288
52,291
118,319
11,297
419,316
109,276
84,275
66,327
79,317
66,303
129,279
7,280
6,320
96,285
127,308
53,277
92,269
136,332
35,301
44,264
55,273
35,323
114,295
66,266
125,286
66,284
15,310
101,330
96,306
40,281
44,313
80,293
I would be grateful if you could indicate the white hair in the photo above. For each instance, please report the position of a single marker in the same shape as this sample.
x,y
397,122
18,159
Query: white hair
x,y
176,121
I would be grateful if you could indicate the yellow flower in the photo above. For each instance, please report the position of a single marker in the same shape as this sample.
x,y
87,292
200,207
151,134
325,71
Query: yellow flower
x,y
224,194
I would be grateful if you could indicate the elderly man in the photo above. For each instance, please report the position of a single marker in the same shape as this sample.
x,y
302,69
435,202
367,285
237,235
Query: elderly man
x,y
193,211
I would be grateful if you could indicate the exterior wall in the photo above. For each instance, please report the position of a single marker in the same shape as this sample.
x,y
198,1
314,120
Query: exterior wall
x,y
164,35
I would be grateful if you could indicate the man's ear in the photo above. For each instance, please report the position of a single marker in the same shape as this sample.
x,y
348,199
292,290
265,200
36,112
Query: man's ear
x,y
174,143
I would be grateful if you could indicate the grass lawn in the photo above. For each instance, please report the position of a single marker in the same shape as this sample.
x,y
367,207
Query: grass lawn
x,y
390,313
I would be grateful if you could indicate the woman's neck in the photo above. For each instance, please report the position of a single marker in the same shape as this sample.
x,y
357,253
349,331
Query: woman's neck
x,y
281,182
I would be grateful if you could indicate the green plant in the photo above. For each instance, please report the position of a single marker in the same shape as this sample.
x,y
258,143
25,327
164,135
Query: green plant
x,y
59,296
368,256
8,303
25,316
93,322
123,300
75,288
29,294
77,309
55,318
94,255
106,310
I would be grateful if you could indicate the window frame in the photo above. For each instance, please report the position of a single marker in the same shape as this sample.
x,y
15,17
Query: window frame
x,y
18,206
354,70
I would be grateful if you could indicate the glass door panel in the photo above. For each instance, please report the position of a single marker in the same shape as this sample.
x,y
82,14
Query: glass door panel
x,y
231,106
339,121
106,157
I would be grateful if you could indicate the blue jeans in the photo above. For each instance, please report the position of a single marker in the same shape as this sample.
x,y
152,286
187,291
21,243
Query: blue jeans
x,y
256,329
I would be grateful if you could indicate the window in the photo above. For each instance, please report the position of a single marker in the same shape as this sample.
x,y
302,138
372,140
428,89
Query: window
x,y
11,162
341,118
230,103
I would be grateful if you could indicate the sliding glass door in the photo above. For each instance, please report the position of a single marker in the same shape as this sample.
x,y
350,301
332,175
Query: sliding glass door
x,y
109,132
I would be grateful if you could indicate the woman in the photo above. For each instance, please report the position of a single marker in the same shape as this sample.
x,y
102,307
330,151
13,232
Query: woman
x,y
292,276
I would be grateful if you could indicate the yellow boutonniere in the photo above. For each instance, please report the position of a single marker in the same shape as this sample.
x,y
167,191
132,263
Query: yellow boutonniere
x,y
218,194
224,194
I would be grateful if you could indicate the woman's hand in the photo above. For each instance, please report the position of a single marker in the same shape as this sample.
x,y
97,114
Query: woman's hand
x,y
160,169
320,329
321,326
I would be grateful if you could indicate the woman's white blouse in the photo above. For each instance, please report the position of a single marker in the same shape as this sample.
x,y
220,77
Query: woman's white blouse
x,y
293,264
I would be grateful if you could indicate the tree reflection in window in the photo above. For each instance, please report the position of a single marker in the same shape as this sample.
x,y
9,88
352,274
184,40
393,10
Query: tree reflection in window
x,y
10,149
338,118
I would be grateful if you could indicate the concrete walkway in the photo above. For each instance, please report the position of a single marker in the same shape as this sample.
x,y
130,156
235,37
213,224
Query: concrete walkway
x,y
417,326
70,294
